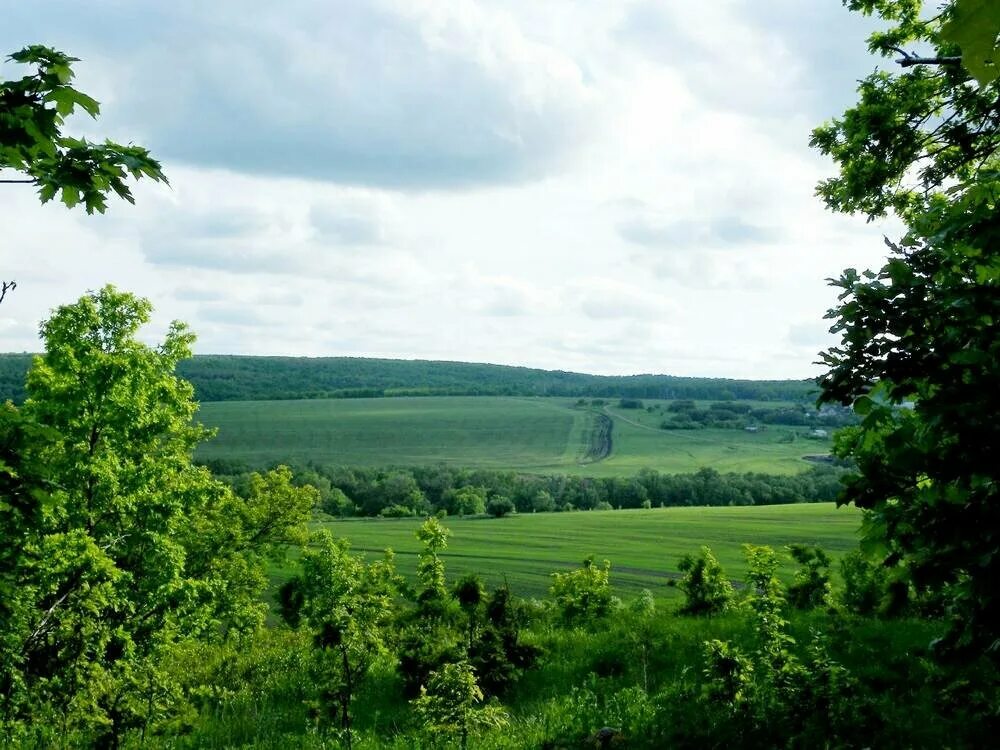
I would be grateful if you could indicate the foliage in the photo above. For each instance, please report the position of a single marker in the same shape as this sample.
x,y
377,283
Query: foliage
x,y
346,489
497,650
234,540
430,568
543,502
811,586
585,593
728,676
866,585
465,501
974,26
33,110
912,133
450,705
772,694
734,415
428,637
242,378
498,507
919,357
850,683
118,547
706,588
347,605
766,601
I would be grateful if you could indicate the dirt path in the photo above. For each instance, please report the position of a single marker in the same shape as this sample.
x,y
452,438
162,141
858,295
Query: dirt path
x,y
600,442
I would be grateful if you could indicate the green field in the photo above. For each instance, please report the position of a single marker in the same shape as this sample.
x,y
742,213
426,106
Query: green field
x,y
542,435
642,545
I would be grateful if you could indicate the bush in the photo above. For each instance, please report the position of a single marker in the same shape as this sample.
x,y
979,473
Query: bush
x,y
812,581
584,593
865,584
706,588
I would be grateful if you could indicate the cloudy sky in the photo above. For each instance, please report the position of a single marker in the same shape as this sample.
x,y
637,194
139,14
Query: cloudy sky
x,y
609,187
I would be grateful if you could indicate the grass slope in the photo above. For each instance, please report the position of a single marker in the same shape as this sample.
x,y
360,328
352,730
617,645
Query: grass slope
x,y
543,435
482,432
642,545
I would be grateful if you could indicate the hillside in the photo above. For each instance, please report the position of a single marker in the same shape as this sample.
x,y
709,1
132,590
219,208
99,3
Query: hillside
x,y
245,378
539,435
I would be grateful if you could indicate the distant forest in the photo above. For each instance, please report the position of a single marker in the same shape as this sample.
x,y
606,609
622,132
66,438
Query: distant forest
x,y
395,492
243,378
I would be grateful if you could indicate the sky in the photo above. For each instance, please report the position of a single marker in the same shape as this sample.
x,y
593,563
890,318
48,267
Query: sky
x,y
607,187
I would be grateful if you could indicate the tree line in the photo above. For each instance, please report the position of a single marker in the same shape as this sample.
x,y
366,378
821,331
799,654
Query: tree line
x,y
417,491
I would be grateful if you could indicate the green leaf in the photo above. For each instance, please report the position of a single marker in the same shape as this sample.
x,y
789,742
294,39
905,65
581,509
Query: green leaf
x,y
70,196
974,26
863,406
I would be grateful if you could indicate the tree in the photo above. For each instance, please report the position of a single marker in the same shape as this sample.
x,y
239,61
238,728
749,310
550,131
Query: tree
x,y
397,494
33,110
542,502
451,704
347,605
465,501
493,635
919,357
101,570
498,507
116,546
232,539
428,637
430,568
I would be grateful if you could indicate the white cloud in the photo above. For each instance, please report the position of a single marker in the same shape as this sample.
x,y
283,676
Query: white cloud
x,y
402,94
608,187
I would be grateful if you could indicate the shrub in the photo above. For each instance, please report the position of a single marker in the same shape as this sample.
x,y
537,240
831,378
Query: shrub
x,y
865,584
706,588
584,593
451,705
643,605
812,580
496,649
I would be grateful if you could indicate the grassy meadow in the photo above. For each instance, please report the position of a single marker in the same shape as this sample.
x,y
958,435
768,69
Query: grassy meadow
x,y
541,435
642,545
